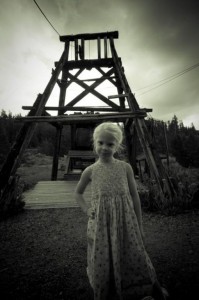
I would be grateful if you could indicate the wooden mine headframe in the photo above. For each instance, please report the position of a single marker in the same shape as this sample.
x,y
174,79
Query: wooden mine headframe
x,y
126,110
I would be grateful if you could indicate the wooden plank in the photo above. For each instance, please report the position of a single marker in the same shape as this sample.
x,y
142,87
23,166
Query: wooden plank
x,y
83,118
82,51
53,194
95,79
76,49
99,47
89,36
118,96
89,63
105,47
84,108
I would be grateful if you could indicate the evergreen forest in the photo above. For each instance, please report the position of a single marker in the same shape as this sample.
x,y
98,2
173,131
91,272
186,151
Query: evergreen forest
x,y
170,137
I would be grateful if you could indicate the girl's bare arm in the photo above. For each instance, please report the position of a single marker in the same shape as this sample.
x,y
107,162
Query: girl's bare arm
x,y
81,186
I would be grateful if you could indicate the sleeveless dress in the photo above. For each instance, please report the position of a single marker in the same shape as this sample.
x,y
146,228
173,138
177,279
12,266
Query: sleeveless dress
x,y
118,265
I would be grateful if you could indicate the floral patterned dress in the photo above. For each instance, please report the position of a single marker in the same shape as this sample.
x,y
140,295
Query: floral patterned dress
x,y
118,266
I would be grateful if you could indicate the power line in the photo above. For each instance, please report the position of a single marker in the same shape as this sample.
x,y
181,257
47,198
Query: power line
x,y
168,79
171,76
46,17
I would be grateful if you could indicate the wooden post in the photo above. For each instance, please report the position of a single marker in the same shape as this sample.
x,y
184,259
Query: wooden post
x,y
99,47
56,153
76,49
59,128
105,47
82,56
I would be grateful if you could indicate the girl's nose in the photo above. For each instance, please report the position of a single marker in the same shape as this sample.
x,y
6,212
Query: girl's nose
x,y
104,146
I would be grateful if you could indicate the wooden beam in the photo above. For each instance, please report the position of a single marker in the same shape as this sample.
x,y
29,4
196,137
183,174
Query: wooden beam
x,y
124,83
89,63
82,50
109,78
76,49
105,47
95,79
91,89
118,96
99,47
82,118
89,36
80,108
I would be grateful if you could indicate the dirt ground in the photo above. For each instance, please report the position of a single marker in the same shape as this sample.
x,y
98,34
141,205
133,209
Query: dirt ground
x,y
43,254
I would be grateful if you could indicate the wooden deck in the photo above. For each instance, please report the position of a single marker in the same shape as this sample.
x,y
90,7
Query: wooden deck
x,y
53,194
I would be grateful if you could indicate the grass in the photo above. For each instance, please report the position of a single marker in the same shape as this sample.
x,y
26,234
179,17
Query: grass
x,y
37,167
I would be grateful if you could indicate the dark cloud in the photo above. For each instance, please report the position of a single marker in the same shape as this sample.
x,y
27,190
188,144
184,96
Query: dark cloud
x,y
157,38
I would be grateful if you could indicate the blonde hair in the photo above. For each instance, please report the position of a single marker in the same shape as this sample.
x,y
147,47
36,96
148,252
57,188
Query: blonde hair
x,y
111,128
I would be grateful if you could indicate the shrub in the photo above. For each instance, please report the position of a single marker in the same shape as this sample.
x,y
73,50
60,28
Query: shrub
x,y
12,199
185,183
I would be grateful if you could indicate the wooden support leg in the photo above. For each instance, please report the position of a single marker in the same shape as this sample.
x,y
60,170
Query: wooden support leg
x,y
56,154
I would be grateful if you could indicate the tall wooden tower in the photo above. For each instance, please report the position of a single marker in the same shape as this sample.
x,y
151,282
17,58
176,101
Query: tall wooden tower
x,y
121,107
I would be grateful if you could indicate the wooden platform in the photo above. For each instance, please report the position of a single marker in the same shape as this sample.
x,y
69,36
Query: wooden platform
x,y
53,194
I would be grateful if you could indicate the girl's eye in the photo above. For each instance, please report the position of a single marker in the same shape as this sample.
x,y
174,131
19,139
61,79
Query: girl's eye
x,y
100,143
111,145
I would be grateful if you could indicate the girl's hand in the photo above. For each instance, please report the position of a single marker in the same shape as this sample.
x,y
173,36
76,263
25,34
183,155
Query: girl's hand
x,y
91,213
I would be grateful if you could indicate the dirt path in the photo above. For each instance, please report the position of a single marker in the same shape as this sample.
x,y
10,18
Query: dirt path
x,y
43,254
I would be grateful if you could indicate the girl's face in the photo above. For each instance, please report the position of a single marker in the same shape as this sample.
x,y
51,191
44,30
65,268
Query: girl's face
x,y
105,146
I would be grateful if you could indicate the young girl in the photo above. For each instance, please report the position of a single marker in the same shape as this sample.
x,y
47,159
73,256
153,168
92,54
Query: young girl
x,y
118,266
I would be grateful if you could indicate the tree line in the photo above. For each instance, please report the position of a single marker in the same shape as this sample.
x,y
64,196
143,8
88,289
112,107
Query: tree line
x,y
170,137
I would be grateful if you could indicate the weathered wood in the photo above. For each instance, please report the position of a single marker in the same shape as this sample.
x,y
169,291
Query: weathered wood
x,y
95,79
118,96
82,118
83,108
99,47
91,89
89,63
56,153
76,49
110,78
123,81
53,194
105,47
82,51
89,36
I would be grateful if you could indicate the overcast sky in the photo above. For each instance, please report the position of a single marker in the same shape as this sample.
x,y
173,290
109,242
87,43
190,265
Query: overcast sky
x,y
157,39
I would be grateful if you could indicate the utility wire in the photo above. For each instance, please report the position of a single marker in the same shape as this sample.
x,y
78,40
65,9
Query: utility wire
x,y
171,76
46,17
168,79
